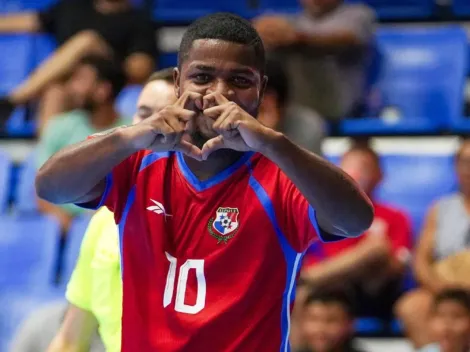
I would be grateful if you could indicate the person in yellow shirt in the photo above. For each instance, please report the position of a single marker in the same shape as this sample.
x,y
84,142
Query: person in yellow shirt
x,y
95,288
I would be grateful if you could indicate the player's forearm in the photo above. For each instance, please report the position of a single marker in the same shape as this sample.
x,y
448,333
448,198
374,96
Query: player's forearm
x,y
20,23
76,173
341,207
330,41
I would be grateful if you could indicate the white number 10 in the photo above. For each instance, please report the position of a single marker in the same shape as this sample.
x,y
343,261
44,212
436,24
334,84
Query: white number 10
x,y
180,306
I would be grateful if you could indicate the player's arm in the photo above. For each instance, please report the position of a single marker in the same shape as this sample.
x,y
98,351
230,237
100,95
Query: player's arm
x,y
341,208
76,331
77,173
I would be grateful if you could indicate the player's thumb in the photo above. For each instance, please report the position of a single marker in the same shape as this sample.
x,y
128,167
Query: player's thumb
x,y
212,145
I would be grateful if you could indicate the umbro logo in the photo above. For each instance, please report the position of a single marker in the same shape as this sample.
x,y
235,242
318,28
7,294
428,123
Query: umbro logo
x,y
158,208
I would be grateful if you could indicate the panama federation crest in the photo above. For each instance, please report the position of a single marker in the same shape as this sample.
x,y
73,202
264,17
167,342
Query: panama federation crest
x,y
225,224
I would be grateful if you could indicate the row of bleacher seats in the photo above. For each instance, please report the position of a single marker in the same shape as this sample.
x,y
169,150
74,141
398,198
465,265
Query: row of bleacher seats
x,y
184,11
29,253
421,72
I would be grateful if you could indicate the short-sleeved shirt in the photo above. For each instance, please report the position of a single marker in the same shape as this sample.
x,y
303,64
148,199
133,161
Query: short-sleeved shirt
x,y
126,32
95,285
66,129
388,221
207,265
331,84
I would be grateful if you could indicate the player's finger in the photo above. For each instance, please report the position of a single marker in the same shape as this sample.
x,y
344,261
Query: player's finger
x,y
189,149
213,99
215,111
176,124
216,126
190,100
228,127
184,114
212,145
164,133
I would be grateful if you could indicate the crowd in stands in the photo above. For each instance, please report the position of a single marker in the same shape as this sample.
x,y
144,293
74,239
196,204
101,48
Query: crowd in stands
x,y
321,71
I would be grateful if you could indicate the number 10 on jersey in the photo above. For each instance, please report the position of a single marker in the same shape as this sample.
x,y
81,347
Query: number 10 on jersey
x,y
180,306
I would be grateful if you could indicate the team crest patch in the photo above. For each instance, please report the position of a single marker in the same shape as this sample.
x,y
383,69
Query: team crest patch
x,y
225,224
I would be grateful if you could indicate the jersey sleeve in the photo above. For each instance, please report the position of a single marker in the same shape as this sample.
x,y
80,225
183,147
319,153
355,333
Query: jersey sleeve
x,y
298,217
79,289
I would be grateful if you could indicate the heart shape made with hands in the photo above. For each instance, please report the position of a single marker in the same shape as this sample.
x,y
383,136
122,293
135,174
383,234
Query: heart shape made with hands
x,y
227,122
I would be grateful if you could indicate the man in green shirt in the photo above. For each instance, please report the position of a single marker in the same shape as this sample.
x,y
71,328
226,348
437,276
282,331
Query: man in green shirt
x,y
95,84
95,289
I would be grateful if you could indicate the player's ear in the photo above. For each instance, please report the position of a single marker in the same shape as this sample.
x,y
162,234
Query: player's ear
x,y
264,83
176,79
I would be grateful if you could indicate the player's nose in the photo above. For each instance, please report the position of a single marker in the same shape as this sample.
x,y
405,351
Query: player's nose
x,y
222,87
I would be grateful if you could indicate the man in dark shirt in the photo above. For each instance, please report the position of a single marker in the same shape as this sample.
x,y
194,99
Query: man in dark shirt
x,y
111,28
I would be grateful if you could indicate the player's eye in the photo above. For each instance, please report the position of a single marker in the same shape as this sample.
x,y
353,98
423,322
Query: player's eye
x,y
201,78
240,81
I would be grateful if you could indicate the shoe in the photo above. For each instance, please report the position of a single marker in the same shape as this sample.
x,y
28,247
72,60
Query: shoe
x,y
6,109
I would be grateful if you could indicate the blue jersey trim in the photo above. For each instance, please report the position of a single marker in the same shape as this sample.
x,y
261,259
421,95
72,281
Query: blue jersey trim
x,y
122,224
322,235
92,205
293,261
222,176
149,159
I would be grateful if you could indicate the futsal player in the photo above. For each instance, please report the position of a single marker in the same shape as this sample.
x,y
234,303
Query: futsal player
x,y
214,209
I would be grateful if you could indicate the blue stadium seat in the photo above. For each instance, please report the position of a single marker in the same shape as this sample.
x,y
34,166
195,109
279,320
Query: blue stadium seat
x,y
25,195
423,76
9,6
187,10
5,172
402,9
461,7
414,182
127,100
72,247
167,60
44,46
28,252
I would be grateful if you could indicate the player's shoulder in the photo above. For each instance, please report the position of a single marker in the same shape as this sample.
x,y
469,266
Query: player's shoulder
x,y
146,158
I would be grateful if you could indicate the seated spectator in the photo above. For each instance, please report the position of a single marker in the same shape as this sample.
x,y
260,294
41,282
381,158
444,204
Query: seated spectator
x,y
109,28
326,49
328,322
94,84
450,322
373,264
303,125
442,258
94,291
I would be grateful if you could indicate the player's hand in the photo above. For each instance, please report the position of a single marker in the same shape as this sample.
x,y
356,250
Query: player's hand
x,y
164,130
237,129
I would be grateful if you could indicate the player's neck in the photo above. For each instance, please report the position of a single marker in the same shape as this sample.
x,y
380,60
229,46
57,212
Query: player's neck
x,y
216,163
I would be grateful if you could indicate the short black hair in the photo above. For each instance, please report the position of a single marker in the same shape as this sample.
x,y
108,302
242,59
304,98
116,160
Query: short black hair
x,y
459,296
108,71
163,75
223,26
333,295
277,80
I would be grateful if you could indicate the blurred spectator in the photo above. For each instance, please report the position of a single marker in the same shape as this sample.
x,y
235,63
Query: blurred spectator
x,y
443,254
303,125
36,333
94,84
95,289
450,322
373,264
328,322
110,28
327,51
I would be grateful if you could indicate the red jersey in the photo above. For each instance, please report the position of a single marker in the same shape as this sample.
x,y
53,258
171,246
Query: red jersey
x,y
388,222
207,265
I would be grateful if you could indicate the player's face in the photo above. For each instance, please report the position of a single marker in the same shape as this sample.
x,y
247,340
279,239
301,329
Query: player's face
x,y
363,169
153,98
326,326
463,168
224,67
451,327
